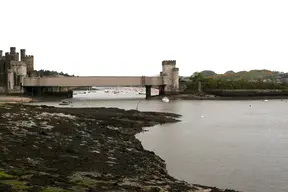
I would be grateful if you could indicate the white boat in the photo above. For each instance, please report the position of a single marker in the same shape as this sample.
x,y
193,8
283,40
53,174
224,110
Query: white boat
x,y
165,99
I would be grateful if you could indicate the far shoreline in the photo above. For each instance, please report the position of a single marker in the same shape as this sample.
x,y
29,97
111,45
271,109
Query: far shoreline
x,y
181,96
213,97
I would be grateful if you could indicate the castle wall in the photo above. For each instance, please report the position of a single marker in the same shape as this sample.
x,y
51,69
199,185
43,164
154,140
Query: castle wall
x,y
2,72
16,57
20,71
19,67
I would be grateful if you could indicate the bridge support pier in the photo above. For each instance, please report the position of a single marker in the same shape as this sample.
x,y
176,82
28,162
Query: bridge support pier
x,y
162,90
148,91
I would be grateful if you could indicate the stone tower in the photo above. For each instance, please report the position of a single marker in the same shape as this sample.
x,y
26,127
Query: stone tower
x,y
170,75
29,60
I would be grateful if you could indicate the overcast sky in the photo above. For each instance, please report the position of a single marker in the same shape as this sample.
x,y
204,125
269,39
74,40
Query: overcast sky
x,y
132,37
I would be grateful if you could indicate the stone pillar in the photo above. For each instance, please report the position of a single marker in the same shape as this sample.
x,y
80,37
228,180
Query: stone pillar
x,y
32,91
70,94
40,91
148,91
162,90
199,87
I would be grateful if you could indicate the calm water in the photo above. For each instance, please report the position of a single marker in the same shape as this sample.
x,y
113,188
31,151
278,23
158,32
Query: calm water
x,y
227,144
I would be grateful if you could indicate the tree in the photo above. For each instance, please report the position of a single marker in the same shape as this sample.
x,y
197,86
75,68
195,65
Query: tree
x,y
196,77
207,73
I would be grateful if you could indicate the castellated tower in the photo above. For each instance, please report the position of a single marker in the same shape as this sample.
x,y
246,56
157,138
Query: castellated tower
x,y
170,75
29,60
13,71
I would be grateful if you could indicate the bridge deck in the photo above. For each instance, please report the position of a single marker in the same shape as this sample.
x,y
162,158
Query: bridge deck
x,y
92,81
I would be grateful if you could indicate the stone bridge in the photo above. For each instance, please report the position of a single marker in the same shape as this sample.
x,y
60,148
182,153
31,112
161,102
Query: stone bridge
x,y
167,81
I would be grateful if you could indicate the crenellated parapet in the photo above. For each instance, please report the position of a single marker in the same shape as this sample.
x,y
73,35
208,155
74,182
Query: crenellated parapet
x,y
169,62
29,56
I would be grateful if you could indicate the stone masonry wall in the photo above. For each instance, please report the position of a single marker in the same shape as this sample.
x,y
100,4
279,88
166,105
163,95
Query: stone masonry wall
x,y
175,78
167,70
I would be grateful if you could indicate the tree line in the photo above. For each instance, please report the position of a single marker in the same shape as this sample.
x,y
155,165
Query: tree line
x,y
48,73
218,83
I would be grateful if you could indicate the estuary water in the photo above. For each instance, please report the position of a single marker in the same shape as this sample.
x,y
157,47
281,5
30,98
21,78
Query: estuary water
x,y
241,145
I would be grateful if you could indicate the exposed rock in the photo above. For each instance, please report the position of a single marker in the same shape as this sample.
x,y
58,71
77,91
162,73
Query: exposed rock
x,y
70,149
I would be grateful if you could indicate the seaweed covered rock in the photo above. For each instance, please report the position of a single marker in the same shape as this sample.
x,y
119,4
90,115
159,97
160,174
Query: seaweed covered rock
x,y
77,149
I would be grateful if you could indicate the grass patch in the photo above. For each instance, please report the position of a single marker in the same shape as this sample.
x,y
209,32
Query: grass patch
x,y
85,182
16,185
53,189
4,175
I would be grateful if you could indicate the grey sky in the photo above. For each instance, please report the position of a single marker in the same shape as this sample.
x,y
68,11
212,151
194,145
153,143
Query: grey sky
x,y
132,37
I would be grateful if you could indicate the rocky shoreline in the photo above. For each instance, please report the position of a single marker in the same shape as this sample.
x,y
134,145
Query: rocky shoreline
x,y
52,149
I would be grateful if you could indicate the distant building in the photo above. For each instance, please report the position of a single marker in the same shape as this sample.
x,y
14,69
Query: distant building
x,y
13,69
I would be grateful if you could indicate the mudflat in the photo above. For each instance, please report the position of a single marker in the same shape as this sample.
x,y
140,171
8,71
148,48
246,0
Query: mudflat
x,y
14,99
81,149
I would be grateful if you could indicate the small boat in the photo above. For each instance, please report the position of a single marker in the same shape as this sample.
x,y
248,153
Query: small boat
x,y
116,92
165,99
65,103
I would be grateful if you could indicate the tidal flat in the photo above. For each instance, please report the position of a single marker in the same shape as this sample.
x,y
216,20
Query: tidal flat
x,y
52,149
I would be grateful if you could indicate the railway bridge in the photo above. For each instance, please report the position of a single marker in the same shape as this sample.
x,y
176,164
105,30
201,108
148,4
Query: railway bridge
x,y
167,82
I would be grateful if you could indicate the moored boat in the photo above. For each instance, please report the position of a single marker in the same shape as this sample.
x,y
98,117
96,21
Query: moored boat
x,y
65,103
